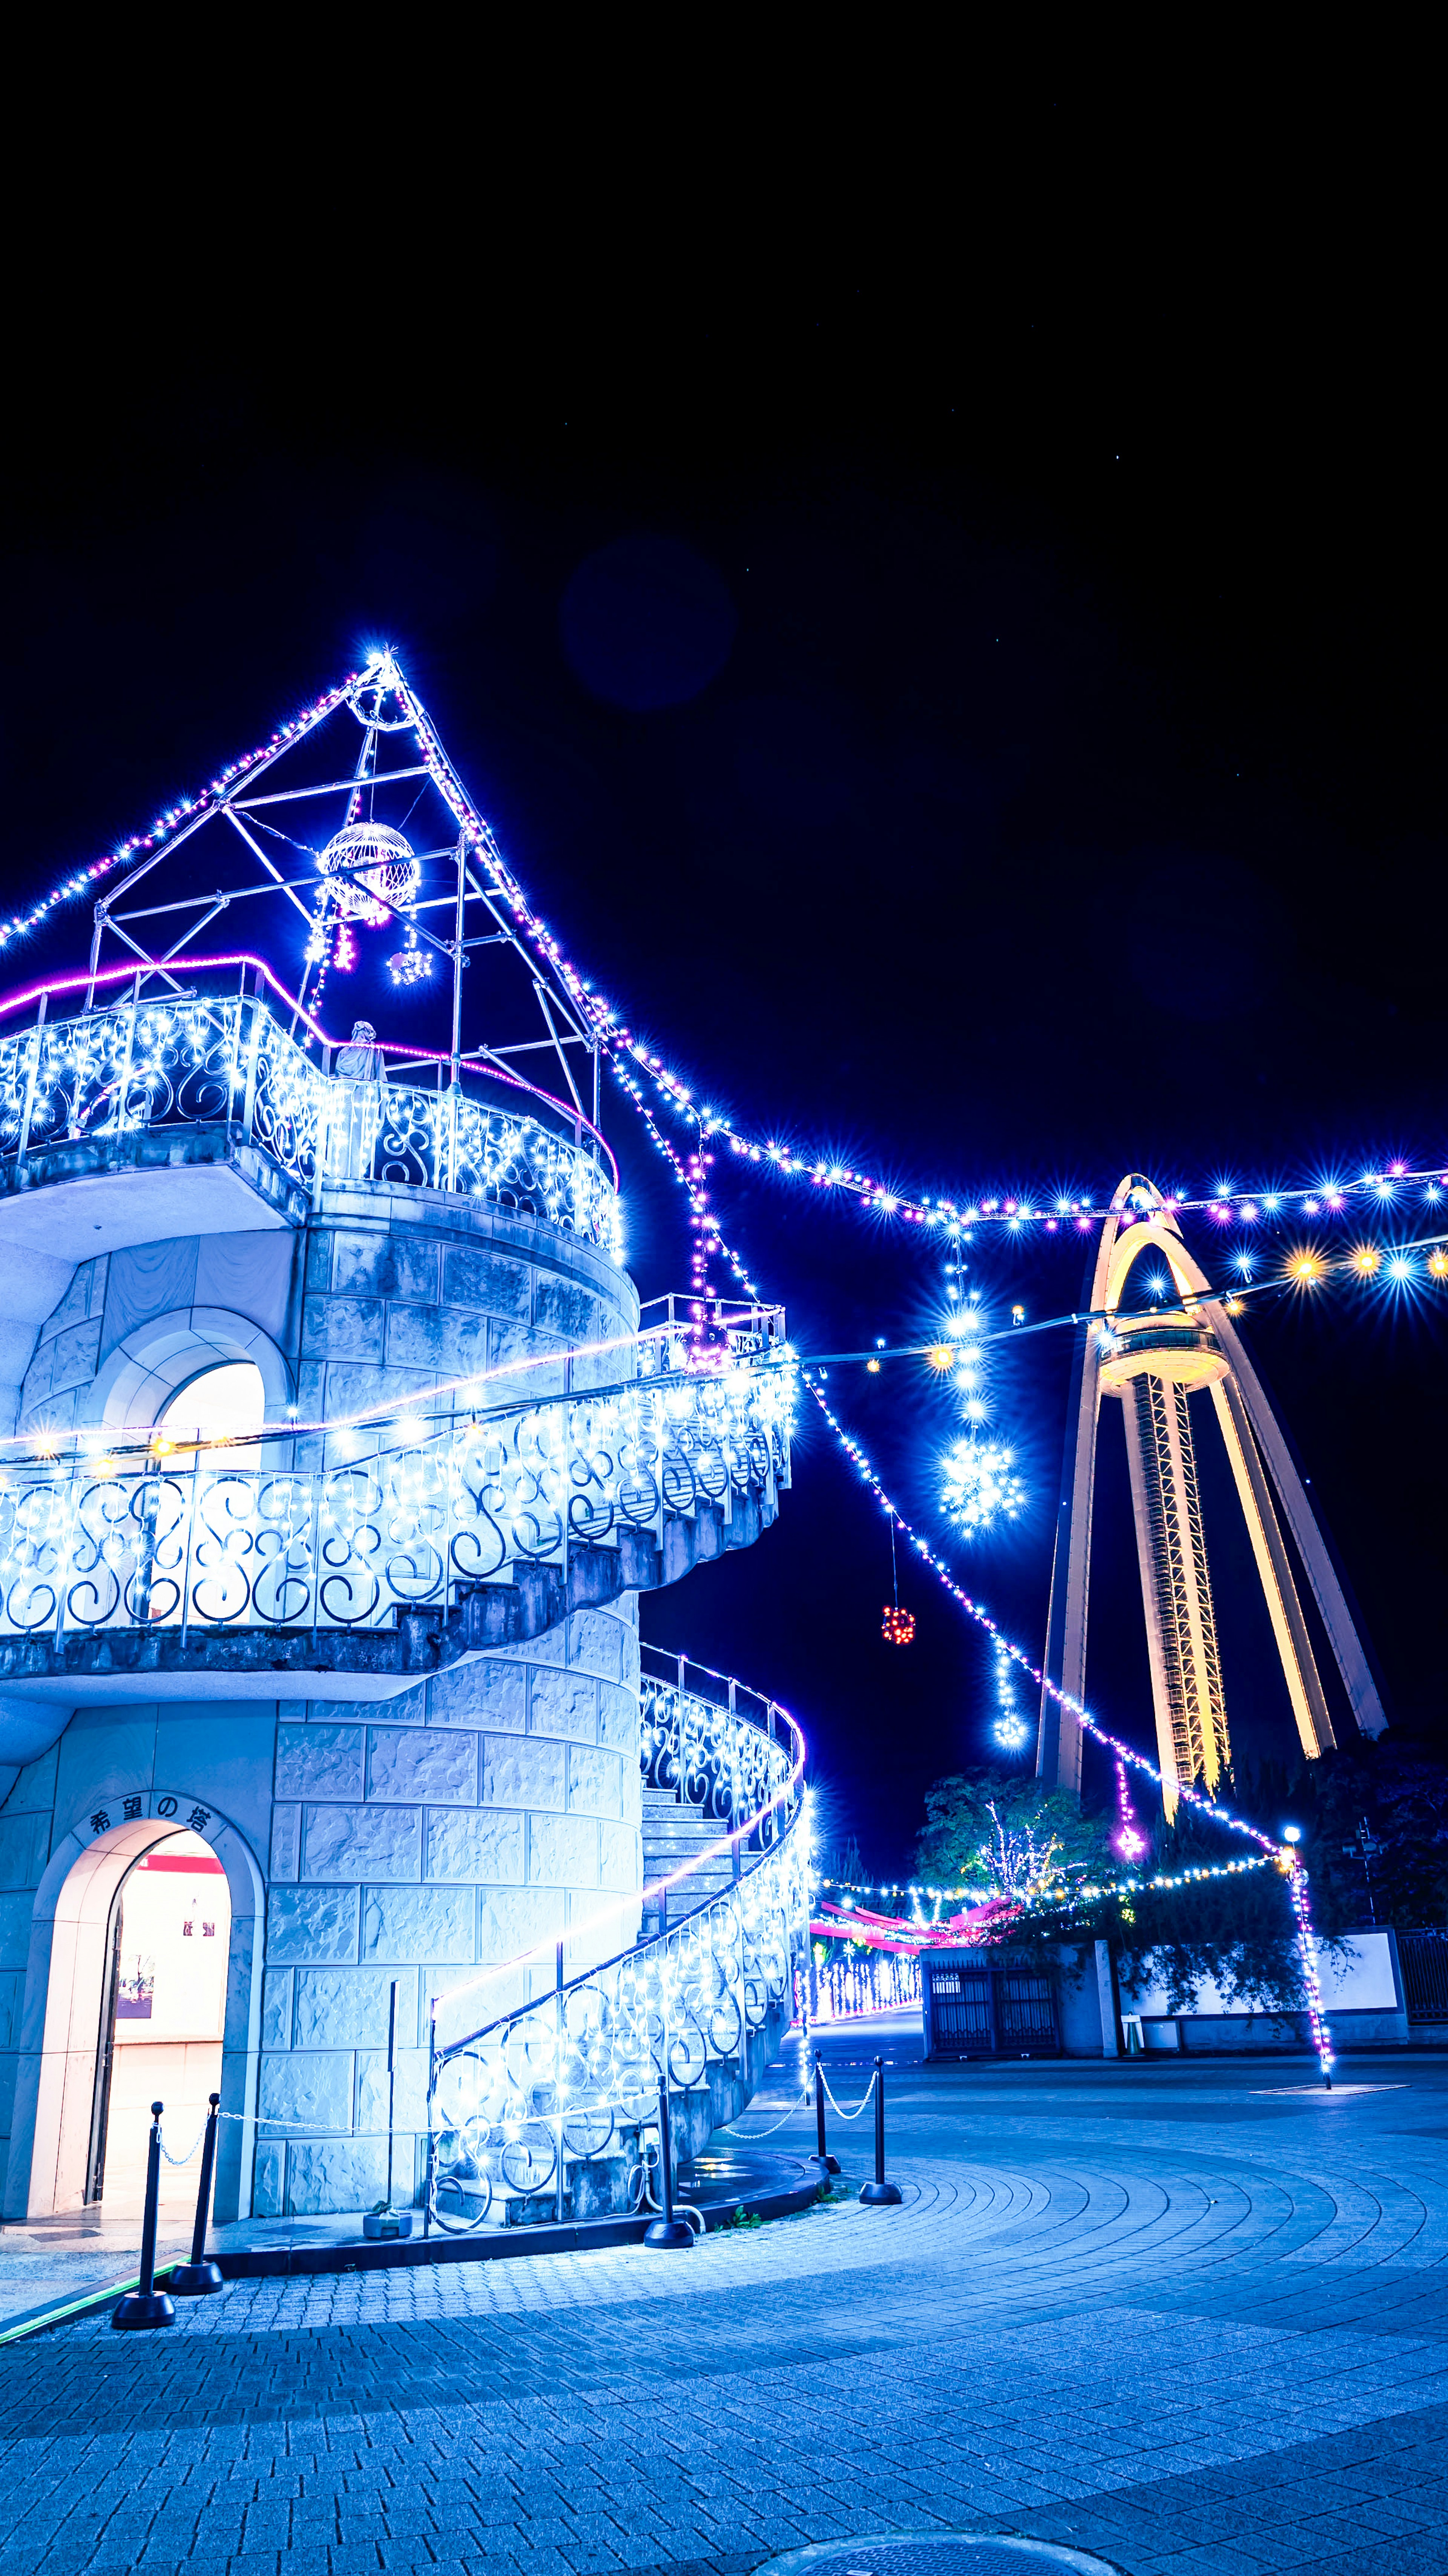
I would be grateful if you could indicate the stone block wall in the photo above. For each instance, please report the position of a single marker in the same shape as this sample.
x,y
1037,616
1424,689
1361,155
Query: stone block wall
x,y
427,1839
430,1840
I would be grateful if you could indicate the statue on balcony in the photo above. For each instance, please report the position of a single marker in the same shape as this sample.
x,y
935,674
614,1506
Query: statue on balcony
x,y
361,1060
363,1068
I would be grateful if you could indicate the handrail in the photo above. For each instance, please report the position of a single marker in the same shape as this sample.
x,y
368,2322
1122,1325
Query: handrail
x,y
551,2081
192,1060
388,1521
236,958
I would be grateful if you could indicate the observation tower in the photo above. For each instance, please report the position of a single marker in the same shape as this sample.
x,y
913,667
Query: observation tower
x,y
1155,1362
338,1455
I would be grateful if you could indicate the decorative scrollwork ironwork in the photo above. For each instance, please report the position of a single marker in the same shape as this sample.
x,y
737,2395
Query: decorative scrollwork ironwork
x,y
517,2106
180,1062
221,1542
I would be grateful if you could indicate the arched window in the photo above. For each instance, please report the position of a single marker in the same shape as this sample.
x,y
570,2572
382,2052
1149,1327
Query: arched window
x,y
223,1403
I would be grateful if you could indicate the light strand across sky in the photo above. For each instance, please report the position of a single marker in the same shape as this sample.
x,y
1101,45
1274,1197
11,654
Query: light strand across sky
x,y
189,809
1025,1210
1124,1753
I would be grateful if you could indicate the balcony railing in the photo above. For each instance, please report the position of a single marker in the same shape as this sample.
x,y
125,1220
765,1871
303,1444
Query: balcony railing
x,y
519,2104
218,1538
187,1063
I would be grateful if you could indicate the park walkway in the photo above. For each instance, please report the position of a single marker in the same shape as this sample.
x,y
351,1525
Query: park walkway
x,y
1187,2317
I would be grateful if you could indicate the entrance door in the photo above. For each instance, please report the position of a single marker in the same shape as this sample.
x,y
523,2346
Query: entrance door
x,y
162,2020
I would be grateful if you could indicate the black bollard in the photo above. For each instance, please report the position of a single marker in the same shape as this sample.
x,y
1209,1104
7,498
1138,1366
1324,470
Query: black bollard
x,y
822,2164
880,2194
198,2278
667,2230
146,2305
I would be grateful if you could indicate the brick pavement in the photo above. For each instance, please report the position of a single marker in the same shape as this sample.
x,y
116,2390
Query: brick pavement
x,y
1192,2321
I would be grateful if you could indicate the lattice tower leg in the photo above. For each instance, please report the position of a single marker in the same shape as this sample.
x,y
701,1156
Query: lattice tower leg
x,y
1186,1672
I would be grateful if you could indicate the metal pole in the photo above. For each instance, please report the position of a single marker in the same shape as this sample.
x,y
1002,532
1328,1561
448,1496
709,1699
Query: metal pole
x,y
431,2092
391,2082
28,1111
558,2073
196,2279
668,2231
386,2221
880,2193
457,1011
147,2306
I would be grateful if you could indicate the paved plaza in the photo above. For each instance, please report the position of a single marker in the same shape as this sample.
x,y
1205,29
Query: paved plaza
x,y
1185,2317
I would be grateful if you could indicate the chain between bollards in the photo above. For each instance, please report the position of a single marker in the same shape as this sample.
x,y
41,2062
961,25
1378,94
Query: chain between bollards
x,y
146,2305
880,2194
668,2230
821,2163
200,2277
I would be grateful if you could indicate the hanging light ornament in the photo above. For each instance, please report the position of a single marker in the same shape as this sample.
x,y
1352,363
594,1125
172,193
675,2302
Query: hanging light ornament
x,y
370,872
412,964
897,1626
980,1486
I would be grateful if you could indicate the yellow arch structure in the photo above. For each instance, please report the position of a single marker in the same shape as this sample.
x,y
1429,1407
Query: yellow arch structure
x,y
1154,1363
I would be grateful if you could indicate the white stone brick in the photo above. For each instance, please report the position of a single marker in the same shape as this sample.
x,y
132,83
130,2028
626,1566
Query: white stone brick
x,y
482,1694
523,1771
286,1841
618,1719
308,2088
320,1761
362,1842
595,1782
268,2187
512,1920
419,1923
564,1704
620,1855
333,2174
348,2007
435,1763
562,1851
474,1842
598,1643
410,2106
307,1923
276,2008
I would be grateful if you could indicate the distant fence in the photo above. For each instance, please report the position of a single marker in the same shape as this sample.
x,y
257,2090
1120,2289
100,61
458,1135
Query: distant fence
x,y
1423,1958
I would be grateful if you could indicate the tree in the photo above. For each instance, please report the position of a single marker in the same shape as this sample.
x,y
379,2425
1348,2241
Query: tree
x,y
991,1830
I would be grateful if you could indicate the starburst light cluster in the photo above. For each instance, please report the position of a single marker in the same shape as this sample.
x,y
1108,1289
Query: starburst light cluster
x,y
980,1486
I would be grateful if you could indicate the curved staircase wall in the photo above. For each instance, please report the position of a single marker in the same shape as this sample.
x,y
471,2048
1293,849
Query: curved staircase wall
x,y
423,1833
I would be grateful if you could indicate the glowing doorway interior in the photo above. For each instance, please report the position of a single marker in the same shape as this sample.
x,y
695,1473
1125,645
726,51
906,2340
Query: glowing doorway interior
x,y
163,2010
222,1404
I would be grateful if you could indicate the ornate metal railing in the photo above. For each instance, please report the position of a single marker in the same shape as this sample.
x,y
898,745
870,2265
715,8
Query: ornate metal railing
x,y
519,2104
220,1539
172,1063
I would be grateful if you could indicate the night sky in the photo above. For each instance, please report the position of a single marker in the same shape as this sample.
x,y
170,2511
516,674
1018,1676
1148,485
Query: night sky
x,y
1010,753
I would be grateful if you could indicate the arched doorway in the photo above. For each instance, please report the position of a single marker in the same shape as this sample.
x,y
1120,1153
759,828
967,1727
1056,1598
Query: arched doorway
x,y
56,2150
162,2019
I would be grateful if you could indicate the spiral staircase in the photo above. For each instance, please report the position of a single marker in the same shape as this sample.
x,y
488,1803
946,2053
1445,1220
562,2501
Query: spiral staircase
x,y
541,2115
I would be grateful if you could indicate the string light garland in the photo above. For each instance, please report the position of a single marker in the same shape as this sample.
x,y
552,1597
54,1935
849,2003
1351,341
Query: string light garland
x,y
1283,1855
188,813
1128,1838
1286,1858
1043,1208
1010,1730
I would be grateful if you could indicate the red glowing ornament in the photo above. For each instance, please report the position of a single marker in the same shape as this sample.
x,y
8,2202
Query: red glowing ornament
x,y
897,1626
